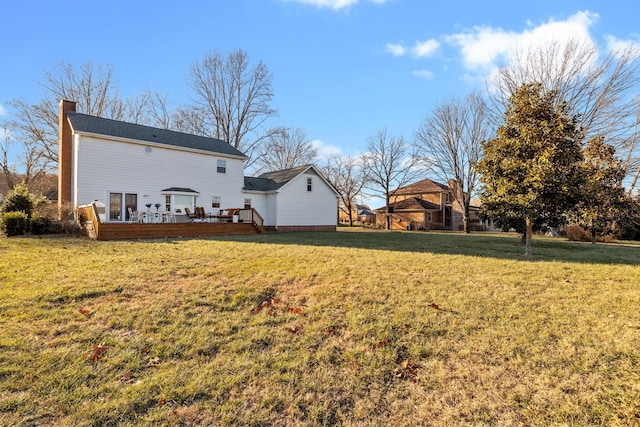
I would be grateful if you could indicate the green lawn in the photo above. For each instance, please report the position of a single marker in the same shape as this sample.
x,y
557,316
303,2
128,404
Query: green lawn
x,y
348,328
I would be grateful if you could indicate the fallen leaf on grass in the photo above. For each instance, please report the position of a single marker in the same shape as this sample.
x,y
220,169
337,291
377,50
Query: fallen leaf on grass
x,y
127,378
434,305
383,342
407,370
294,329
84,312
98,350
153,362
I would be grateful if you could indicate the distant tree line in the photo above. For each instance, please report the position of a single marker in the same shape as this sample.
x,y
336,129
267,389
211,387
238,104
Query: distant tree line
x,y
553,141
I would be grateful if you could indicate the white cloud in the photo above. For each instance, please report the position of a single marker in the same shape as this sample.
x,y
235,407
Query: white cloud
x,y
425,48
333,4
618,47
485,48
423,74
418,50
395,49
325,150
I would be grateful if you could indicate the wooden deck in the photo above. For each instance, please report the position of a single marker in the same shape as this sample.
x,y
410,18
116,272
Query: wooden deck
x,y
122,231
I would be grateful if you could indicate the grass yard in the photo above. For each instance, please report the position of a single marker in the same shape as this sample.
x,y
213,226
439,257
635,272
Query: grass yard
x,y
345,328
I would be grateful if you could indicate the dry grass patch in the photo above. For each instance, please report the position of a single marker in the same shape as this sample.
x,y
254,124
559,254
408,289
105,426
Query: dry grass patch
x,y
319,329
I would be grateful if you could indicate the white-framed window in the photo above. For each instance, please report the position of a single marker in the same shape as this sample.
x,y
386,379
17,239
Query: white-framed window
x,y
167,203
447,198
247,203
180,202
309,182
221,166
429,216
215,201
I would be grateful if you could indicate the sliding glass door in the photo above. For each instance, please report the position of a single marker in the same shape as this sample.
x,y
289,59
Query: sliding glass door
x,y
119,205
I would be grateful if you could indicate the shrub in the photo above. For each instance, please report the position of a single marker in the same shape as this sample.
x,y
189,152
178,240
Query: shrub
x,y
18,200
14,223
41,225
575,233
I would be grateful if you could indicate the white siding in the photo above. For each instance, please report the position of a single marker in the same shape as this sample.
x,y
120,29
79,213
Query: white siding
x,y
298,207
259,203
104,166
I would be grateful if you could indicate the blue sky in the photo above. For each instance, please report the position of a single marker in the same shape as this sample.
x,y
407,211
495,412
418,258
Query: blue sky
x,y
342,69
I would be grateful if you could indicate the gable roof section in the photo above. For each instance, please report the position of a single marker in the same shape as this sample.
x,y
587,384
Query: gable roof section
x,y
282,177
86,124
424,186
272,181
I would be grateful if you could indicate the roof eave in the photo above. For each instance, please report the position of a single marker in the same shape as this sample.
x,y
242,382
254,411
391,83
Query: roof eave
x,y
157,144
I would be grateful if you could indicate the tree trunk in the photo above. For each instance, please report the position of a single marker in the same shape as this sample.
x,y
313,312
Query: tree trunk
x,y
528,235
388,224
465,213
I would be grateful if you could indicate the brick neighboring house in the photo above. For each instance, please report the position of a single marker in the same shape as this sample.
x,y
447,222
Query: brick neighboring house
x,y
361,214
427,205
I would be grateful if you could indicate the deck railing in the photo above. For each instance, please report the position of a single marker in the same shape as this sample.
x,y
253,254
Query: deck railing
x,y
252,216
250,222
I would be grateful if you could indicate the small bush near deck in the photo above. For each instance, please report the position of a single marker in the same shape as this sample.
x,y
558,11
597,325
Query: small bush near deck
x,y
41,225
14,223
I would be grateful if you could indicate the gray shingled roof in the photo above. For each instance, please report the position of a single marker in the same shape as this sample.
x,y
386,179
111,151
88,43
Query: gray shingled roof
x,y
271,181
101,126
281,177
179,190
259,184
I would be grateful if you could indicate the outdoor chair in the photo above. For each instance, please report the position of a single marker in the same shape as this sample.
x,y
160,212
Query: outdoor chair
x,y
200,214
190,216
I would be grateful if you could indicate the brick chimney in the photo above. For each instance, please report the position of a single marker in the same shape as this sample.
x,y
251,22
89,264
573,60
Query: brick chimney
x,y
65,153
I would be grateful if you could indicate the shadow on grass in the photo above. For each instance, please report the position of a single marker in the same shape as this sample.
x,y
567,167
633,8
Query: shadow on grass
x,y
486,245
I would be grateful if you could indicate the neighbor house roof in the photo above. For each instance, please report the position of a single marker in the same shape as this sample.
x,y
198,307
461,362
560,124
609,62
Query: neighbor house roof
x,y
412,204
424,186
83,123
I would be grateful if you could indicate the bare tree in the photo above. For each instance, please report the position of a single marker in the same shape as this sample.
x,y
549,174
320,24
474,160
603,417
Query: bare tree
x,y
388,165
598,89
285,148
8,169
449,142
92,87
233,98
348,177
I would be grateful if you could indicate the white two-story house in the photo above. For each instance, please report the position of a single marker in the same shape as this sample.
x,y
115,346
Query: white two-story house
x,y
129,167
